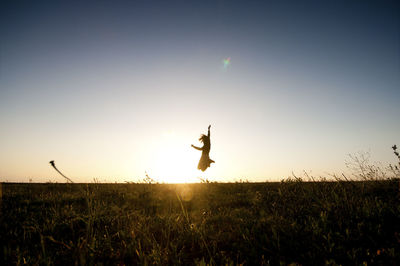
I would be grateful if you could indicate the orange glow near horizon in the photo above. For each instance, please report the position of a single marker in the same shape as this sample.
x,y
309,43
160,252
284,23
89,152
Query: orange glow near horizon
x,y
174,161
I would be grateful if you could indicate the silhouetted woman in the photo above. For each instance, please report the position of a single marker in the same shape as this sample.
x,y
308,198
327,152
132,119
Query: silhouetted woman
x,y
205,160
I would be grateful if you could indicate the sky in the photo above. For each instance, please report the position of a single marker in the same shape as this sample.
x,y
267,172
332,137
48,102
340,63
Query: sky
x,y
112,90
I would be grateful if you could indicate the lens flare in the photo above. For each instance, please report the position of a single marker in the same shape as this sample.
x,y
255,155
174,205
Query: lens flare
x,y
226,62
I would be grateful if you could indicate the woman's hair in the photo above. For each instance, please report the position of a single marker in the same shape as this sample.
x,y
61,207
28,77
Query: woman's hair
x,y
203,138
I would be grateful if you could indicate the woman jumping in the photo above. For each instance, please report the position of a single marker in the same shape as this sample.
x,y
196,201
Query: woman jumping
x,y
205,160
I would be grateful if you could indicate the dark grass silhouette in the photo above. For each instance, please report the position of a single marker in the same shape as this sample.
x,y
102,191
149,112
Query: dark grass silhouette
x,y
279,223
308,223
205,160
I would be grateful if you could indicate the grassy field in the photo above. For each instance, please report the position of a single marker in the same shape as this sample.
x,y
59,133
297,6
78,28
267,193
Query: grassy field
x,y
209,223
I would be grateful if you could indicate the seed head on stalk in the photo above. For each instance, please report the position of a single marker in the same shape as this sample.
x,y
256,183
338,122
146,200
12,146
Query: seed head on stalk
x,y
54,166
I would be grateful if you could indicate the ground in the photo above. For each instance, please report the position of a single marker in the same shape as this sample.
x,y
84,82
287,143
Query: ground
x,y
290,222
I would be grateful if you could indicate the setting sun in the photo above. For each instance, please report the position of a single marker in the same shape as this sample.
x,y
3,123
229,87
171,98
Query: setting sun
x,y
174,161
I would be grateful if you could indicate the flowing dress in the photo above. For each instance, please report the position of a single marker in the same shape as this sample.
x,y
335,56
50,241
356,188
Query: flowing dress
x,y
205,160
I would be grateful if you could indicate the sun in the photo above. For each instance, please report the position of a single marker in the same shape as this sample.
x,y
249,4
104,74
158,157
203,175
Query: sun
x,y
174,161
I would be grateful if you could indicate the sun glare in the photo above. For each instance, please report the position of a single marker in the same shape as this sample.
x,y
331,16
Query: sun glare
x,y
174,161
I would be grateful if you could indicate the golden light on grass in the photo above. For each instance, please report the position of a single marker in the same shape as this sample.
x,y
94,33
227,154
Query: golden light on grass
x,y
185,193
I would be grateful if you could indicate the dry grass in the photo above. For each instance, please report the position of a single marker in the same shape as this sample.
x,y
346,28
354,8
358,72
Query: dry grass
x,y
211,223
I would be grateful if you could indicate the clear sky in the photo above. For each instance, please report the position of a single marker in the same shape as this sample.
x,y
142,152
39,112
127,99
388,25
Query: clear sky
x,y
111,89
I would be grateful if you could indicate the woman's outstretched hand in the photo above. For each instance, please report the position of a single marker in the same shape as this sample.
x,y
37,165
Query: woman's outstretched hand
x,y
209,126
